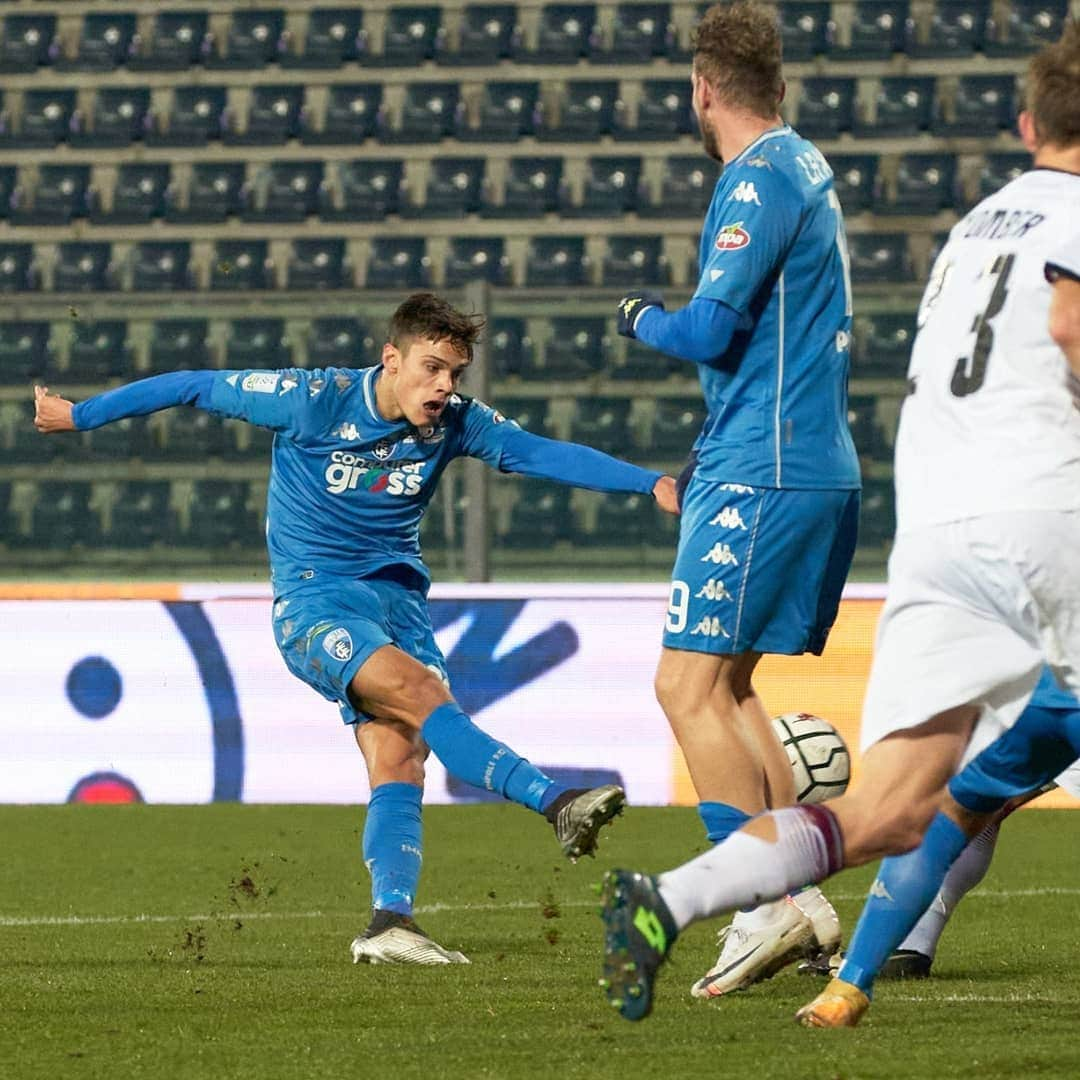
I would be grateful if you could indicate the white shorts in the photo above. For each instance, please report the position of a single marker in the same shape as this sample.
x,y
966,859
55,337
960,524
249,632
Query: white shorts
x,y
974,609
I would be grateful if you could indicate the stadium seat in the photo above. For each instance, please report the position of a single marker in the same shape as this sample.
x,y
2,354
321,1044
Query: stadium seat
x,y
353,114
285,191
476,259
556,261
629,520
26,442
632,261
877,513
957,28
83,267
254,39
430,113
219,516
640,33
8,180
507,112
18,270
540,516
398,263
99,351
983,105
866,430
1000,169
120,117
139,195
533,414
60,194
879,256
878,29
247,442
335,341
882,344
586,113
1029,25
364,190
9,523
826,107
273,117
686,188
176,344
532,189
567,33
62,517
453,189
409,37
577,349
319,263
334,38
257,343
104,44
179,40
510,348
603,423
241,264
191,435
25,353
855,180
119,441
925,184
664,112
610,188
141,515
643,363
905,106
197,115
29,42
161,266
488,33
676,424
45,120
215,192
805,30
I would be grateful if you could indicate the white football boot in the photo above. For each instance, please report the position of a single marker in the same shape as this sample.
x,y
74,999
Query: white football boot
x,y
396,939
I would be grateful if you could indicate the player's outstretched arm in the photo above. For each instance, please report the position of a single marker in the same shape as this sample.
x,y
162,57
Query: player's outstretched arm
x,y
52,413
1065,323
700,332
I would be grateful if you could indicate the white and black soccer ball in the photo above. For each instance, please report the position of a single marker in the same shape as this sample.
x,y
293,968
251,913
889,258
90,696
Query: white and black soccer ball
x,y
818,754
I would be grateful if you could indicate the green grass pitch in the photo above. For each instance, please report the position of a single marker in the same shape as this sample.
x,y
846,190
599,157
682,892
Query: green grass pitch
x,y
212,941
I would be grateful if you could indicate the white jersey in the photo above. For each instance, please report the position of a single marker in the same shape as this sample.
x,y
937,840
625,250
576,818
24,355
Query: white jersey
x,y
989,424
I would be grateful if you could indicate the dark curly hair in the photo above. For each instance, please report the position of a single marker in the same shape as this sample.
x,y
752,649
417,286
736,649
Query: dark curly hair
x,y
1052,92
425,315
737,50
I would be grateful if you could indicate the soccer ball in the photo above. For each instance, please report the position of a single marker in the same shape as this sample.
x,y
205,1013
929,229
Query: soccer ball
x,y
819,756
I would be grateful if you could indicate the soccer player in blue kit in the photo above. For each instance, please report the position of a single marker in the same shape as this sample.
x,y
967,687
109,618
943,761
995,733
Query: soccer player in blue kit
x,y
771,500
356,458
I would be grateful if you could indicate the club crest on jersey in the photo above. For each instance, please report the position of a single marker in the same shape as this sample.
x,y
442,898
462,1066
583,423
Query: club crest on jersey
x,y
338,643
383,449
732,237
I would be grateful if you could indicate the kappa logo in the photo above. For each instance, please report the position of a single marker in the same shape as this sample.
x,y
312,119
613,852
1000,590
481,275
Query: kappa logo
x,y
260,382
315,387
721,554
348,432
758,162
729,518
713,589
338,643
710,627
288,382
745,192
879,891
737,489
732,237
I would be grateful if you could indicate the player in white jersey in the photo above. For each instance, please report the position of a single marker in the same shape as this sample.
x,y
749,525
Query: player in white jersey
x,y
984,576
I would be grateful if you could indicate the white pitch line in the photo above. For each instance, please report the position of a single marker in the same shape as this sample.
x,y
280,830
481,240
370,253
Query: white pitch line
x,y
425,909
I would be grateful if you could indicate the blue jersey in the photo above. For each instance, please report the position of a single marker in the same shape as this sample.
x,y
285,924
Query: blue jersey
x,y
773,248
1048,695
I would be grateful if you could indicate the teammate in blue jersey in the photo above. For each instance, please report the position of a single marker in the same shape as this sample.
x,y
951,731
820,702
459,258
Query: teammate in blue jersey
x,y
356,458
771,500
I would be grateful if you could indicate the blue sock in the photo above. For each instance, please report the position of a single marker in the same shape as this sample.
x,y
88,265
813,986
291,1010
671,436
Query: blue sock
x,y
393,845
721,820
475,757
901,892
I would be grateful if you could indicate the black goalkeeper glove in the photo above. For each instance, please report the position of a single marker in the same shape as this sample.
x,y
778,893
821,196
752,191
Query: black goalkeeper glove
x,y
630,308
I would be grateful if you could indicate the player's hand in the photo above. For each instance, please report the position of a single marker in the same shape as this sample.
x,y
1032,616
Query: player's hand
x,y
664,493
52,413
630,308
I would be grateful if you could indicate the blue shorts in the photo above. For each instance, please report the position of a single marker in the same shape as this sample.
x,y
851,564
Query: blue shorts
x,y
759,569
1041,745
326,632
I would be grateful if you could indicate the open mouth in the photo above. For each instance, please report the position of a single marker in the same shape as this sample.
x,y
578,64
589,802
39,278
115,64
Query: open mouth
x,y
432,409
